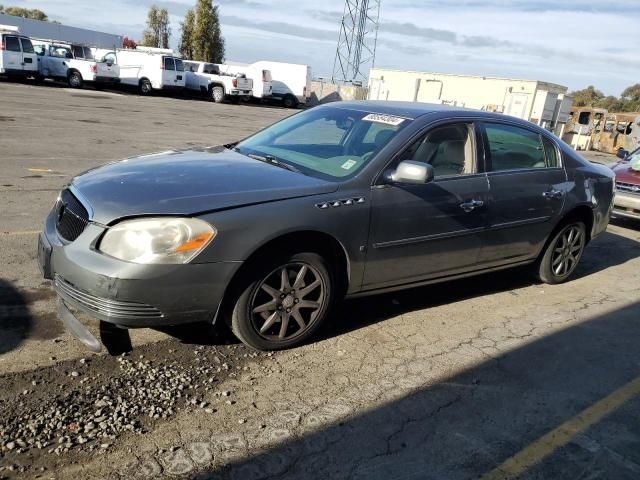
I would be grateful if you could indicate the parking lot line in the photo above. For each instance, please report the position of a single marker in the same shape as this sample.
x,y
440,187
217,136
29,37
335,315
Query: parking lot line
x,y
537,451
24,232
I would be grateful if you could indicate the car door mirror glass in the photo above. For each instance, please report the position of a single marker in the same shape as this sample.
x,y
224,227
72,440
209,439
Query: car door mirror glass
x,y
411,172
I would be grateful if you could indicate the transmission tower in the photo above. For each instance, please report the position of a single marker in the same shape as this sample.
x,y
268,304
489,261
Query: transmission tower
x,y
356,52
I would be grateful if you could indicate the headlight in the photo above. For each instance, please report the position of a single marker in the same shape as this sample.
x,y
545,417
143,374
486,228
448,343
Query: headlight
x,y
157,240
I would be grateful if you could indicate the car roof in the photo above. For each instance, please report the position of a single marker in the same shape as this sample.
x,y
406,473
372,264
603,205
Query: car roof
x,y
413,110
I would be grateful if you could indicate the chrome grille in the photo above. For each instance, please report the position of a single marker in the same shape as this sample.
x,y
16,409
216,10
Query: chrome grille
x,y
628,187
71,216
103,306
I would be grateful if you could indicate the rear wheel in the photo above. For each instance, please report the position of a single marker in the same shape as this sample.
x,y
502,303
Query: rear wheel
x,y
144,87
217,94
563,253
284,304
290,101
74,79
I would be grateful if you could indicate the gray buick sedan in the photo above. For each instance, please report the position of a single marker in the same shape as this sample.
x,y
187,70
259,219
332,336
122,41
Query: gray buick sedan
x,y
347,199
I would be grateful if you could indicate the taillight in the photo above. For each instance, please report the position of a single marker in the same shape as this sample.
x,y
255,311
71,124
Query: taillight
x,y
94,68
235,82
2,45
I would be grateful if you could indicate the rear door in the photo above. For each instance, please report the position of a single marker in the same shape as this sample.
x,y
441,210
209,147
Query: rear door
x,y
420,232
29,57
180,75
528,186
168,72
12,54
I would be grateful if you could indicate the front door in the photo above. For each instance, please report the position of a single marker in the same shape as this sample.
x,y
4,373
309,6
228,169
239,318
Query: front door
x,y
528,186
427,231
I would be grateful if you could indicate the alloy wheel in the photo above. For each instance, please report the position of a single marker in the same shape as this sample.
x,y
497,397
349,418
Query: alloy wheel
x,y
567,251
287,301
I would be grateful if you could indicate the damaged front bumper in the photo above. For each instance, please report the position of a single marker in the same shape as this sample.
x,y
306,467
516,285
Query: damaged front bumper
x,y
126,294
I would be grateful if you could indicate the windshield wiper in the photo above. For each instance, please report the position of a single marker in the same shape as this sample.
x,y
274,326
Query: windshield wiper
x,y
273,161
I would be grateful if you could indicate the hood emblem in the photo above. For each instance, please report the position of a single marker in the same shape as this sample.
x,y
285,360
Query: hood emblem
x,y
339,203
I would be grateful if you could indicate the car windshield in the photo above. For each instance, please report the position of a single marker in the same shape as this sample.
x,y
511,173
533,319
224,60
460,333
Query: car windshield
x,y
330,143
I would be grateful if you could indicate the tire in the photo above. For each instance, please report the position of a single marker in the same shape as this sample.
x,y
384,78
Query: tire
x,y
74,79
144,87
289,101
38,79
274,311
563,253
217,94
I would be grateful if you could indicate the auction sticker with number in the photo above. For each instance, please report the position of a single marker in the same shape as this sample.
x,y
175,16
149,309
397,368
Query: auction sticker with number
x,y
381,118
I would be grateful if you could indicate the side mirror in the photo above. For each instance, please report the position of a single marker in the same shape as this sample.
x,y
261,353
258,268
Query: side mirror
x,y
622,153
411,172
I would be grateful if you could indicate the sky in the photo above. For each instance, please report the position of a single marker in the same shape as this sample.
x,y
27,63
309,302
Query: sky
x,y
570,42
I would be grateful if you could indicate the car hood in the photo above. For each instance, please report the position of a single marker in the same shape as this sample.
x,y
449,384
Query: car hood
x,y
188,182
625,174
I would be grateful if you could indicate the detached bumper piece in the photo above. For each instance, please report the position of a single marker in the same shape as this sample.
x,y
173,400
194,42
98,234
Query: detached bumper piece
x,y
103,307
77,329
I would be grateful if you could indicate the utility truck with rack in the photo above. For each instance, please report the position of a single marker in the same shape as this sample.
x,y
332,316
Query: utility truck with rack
x,y
206,78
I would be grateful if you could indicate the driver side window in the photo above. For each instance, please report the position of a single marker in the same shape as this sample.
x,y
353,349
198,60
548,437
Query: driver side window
x,y
449,149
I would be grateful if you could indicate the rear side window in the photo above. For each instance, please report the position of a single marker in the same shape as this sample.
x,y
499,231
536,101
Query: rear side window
x,y
27,46
168,63
88,54
514,148
78,52
12,44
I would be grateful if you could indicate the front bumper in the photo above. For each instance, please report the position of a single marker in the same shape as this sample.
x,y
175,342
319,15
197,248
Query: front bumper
x,y
626,205
128,294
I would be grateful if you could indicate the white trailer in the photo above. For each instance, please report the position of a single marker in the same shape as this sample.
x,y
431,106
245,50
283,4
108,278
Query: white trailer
x,y
17,57
150,69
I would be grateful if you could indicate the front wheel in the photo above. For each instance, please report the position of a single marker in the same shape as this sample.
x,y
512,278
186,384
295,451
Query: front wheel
x,y
563,253
283,305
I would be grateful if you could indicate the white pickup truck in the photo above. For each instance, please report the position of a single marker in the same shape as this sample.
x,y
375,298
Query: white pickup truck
x,y
206,78
74,64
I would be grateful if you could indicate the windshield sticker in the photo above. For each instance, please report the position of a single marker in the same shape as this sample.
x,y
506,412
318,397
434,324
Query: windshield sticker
x,y
348,165
386,119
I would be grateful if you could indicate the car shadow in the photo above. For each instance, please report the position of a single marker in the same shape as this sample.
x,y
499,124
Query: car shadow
x,y
16,321
540,405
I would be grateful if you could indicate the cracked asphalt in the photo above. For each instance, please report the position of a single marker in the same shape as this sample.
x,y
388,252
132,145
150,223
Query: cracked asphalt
x,y
491,377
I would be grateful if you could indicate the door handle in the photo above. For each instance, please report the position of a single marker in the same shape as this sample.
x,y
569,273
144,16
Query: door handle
x,y
553,194
471,205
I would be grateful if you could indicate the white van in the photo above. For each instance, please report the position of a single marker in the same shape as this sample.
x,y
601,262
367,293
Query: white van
x,y
17,57
291,82
149,70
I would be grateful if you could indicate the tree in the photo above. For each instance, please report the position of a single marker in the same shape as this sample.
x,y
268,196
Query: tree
x,y
208,44
631,98
33,14
158,31
587,97
128,43
186,42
